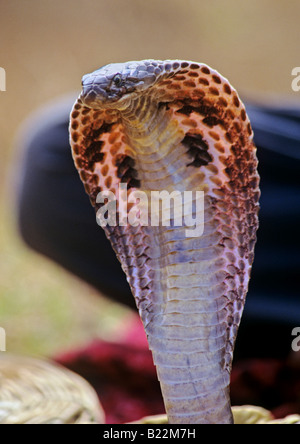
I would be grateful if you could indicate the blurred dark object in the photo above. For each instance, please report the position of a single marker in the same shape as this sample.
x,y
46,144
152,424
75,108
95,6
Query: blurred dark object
x,y
272,308
125,378
57,220
271,383
55,216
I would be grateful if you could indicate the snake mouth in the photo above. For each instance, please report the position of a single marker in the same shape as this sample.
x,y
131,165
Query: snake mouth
x,y
98,97
99,92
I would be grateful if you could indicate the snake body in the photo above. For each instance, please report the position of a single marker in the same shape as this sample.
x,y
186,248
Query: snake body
x,y
177,125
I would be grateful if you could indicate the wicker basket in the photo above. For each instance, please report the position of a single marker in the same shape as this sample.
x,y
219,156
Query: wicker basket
x,y
245,414
35,391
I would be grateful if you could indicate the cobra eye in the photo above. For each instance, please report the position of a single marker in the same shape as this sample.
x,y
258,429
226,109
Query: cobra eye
x,y
118,80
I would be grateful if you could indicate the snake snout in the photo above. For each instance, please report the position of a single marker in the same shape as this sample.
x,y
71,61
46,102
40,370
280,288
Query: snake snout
x,y
96,94
93,93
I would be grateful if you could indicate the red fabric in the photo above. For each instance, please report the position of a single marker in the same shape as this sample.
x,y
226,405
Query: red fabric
x,y
125,378
270,383
123,374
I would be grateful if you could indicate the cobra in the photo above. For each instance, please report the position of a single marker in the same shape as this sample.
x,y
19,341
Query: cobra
x,y
177,125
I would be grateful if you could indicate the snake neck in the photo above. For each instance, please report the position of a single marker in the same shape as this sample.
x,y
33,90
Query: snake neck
x,y
139,115
179,291
155,139
146,120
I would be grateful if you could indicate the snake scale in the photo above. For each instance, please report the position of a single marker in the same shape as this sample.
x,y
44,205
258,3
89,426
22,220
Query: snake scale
x,y
177,125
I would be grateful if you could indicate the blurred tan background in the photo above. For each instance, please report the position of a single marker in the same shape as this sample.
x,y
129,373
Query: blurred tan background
x,y
45,47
